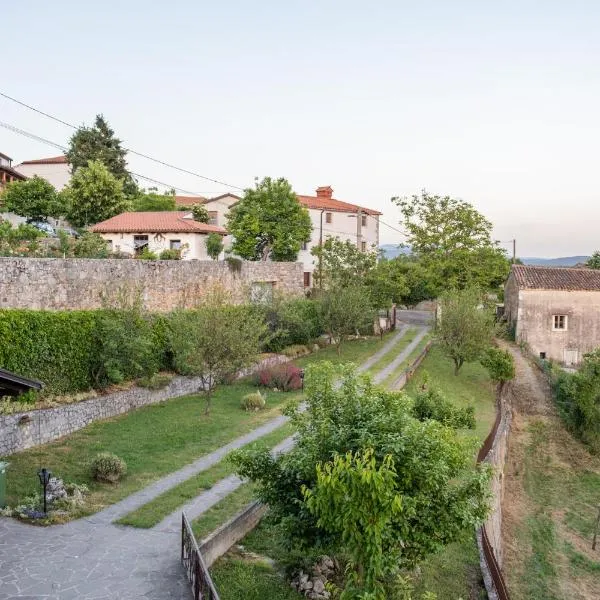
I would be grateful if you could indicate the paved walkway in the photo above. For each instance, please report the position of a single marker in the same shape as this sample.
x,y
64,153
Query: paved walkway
x,y
94,559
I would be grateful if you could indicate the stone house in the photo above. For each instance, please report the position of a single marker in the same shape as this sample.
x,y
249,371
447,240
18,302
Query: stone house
x,y
131,232
556,311
56,170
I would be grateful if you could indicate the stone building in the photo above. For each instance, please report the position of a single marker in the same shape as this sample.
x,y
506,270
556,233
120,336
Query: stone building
x,y
556,311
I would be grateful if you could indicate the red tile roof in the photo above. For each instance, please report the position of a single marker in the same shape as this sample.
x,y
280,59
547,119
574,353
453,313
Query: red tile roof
x,y
53,160
556,278
324,201
189,200
155,222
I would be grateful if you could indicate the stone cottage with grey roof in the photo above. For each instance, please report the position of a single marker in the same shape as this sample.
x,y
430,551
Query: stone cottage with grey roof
x,y
556,311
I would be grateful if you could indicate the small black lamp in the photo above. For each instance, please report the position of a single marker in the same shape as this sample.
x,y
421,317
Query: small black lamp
x,y
44,476
302,378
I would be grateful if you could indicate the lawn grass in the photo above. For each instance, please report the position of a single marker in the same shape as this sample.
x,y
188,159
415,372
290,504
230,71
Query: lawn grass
x,y
398,347
221,512
355,351
551,556
154,441
154,512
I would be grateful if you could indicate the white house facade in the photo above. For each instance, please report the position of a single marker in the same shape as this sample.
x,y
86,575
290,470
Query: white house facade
x,y
131,232
56,170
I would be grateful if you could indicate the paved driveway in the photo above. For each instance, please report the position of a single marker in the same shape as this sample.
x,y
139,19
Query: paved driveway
x,y
84,561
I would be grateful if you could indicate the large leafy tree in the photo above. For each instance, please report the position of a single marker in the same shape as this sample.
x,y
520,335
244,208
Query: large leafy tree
x,y
215,341
153,201
99,143
426,464
33,198
465,327
452,240
593,261
94,195
269,222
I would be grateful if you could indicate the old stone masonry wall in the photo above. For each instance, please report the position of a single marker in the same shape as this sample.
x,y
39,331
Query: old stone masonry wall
x,y
27,429
70,284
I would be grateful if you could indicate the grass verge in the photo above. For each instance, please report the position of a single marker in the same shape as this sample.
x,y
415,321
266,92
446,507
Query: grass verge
x,y
398,347
391,379
154,512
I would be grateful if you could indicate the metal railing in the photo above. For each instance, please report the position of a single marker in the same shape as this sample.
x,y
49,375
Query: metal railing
x,y
202,586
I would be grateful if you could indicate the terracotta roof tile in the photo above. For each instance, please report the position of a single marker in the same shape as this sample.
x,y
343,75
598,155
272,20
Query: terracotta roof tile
x,y
323,203
556,278
154,222
53,160
189,200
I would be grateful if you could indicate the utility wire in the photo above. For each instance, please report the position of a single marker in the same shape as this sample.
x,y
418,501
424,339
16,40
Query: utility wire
x,y
140,154
38,138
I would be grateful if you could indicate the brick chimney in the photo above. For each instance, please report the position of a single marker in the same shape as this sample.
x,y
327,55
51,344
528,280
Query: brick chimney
x,y
325,191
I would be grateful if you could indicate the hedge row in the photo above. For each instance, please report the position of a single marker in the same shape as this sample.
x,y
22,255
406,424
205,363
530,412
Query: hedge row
x,y
73,351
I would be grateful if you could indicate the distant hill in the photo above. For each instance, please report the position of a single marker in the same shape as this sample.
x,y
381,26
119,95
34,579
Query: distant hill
x,y
562,261
392,250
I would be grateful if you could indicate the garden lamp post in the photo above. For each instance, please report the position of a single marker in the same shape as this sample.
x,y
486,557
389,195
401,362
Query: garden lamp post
x,y
302,378
44,476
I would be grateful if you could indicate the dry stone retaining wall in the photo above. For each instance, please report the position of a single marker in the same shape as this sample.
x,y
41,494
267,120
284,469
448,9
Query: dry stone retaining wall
x,y
20,431
73,283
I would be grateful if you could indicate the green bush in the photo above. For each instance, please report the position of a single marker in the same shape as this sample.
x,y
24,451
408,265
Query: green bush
x,y
71,351
431,404
170,254
296,350
108,467
293,322
253,401
147,254
156,381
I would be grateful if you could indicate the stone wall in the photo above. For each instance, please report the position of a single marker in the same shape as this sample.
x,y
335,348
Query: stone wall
x,y
69,284
492,528
220,540
20,431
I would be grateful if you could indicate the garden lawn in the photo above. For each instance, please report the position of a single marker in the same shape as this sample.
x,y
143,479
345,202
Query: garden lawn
x,y
154,441
356,351
154,512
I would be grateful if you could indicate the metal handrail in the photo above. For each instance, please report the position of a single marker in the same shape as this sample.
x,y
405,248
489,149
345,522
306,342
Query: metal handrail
x,y
197,573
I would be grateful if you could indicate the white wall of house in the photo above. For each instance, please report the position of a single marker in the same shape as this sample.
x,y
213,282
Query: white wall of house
x,y
194,243
342,226
57,174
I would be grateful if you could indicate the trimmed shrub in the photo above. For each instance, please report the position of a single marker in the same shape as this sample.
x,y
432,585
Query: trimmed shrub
x,y
170,254
253,401
284,377
108,467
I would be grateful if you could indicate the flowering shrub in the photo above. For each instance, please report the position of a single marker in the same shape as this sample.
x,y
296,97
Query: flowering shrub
x,y
284,377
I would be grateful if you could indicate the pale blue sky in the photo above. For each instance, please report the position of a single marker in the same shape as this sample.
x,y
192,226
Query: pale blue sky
x,y
494,102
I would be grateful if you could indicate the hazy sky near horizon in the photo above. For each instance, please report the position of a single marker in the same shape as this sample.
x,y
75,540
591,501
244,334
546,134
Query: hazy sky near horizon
x,y
495,103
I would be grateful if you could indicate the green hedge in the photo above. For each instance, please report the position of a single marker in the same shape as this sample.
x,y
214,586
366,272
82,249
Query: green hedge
x,y
58,348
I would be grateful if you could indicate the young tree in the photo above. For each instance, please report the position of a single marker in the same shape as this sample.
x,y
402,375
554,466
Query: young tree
x,y
33,198
341,263
94,195
200,213
500,365
91,245
269,222
152,201
215,341
444,495
465,328
214,245
593,261
345,311
98,143
453,242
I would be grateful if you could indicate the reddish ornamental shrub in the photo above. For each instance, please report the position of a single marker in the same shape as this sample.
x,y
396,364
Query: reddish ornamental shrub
x,y
284,377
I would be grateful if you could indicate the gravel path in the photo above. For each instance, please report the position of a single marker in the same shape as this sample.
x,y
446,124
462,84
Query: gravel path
x,y
393,365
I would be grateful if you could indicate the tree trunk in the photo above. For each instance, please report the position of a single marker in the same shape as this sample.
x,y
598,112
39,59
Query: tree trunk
x,y
457,365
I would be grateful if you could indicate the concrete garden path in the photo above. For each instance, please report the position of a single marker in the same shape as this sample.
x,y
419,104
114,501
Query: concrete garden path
x,y
94,559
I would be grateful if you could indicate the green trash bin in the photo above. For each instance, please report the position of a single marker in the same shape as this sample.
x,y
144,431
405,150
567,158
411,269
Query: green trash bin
x,y
3,467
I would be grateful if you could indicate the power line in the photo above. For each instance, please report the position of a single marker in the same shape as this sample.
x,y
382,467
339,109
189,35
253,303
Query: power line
x,y
38,138
140,154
